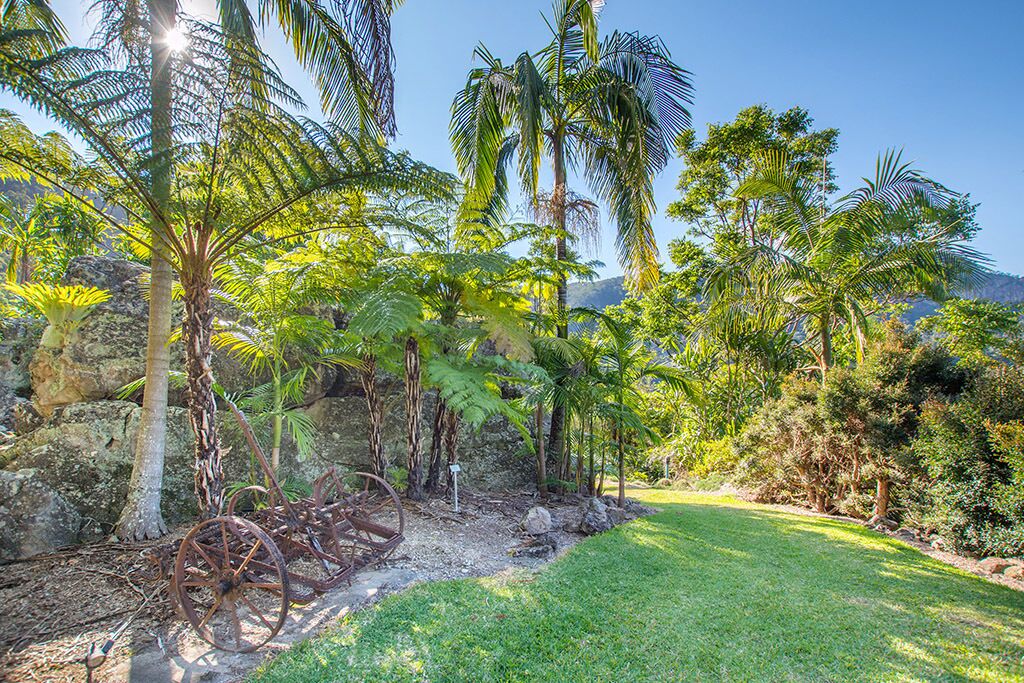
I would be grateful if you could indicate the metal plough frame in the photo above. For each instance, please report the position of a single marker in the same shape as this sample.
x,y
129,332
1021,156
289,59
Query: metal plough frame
x,y
234,576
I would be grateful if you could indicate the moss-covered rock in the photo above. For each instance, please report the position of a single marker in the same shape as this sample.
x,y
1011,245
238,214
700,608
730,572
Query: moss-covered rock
x,y
85,452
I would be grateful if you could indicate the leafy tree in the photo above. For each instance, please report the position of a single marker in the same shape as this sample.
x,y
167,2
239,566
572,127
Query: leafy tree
x,y
346,45
275,335
607,107
840,263
42,240
728,157
977,331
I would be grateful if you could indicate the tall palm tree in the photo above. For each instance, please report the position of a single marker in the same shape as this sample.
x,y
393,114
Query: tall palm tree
x,y
609,108
243,166
827,265
626,364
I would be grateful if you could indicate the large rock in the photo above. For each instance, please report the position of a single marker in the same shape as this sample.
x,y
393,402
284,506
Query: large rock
x,y
594,517
995,565
536,521
34,518
85,453
19,338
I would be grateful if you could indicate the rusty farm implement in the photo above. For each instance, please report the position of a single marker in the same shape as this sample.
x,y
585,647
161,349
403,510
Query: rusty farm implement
x,y
233,577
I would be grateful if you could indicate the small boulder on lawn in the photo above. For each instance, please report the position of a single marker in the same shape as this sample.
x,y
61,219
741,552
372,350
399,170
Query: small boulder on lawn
x,y
995,565
536,521
595,517
540,547
1015,572
882,523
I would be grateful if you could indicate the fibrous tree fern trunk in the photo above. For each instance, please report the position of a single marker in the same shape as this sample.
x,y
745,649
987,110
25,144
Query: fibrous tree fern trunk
x,y
451,441
542,474
375,408
436,447
141,517
413,411
197,329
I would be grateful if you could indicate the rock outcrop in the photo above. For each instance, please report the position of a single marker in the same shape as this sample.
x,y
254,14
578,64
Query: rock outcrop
x,y
536,521
34,518
19,338
85,453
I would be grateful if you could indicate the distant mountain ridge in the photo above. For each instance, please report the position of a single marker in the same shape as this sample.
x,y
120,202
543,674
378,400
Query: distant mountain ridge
x,y
1002,287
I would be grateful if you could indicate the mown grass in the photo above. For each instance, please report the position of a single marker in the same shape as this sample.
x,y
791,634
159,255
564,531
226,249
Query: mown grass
x,y
709,589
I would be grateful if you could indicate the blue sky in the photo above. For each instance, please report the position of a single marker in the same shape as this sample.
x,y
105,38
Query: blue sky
x,y
941,80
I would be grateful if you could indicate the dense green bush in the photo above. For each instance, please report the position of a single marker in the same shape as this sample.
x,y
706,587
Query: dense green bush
x,y
972,449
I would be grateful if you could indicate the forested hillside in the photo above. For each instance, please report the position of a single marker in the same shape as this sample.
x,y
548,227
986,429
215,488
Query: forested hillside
x,y
1002,287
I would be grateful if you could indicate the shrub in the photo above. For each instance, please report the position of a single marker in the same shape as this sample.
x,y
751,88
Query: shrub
x,y
973,450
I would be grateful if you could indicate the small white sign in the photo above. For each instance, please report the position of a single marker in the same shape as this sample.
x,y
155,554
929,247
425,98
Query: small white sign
x,y
454,467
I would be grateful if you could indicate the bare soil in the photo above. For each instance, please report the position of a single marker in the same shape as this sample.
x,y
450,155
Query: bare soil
x,y
55,606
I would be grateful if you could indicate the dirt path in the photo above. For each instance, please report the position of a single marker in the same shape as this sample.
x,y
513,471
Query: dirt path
x,y
55,606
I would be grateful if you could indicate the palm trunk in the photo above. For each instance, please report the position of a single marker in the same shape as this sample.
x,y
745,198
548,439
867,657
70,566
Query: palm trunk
x,y
542,474
621,453
825,330
580,485
197,330
24,269
604,463
141,518
556,438
278,422
590,454
375,408
413,410
436,447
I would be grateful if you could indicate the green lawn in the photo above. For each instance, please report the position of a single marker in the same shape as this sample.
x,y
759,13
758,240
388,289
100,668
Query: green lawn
x,y
710,589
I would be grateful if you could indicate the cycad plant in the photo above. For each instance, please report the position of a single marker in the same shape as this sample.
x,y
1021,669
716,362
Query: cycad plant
x,y
831,264
63,306
241,166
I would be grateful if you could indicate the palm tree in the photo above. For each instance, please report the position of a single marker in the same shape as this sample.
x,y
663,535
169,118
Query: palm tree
x,y
610,108
626,364
246,166
346,44
839,263
274,336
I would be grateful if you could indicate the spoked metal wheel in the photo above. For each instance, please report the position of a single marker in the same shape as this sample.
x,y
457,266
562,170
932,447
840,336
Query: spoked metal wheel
x,y
368,497
231,583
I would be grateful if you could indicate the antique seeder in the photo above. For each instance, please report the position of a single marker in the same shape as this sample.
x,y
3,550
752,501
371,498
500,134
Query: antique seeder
x,y
234,576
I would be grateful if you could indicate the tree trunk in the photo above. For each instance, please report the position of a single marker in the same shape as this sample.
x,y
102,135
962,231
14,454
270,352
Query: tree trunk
x,y
581,485
413,410
375,408
542,474
590,454
197,329
278,423
621,454
556,438
451,442
825,330
882,497
604,463
436,447
141,519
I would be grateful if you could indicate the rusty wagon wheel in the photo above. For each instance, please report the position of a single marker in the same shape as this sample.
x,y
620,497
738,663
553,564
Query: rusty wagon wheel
x,y
366,496
231,583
